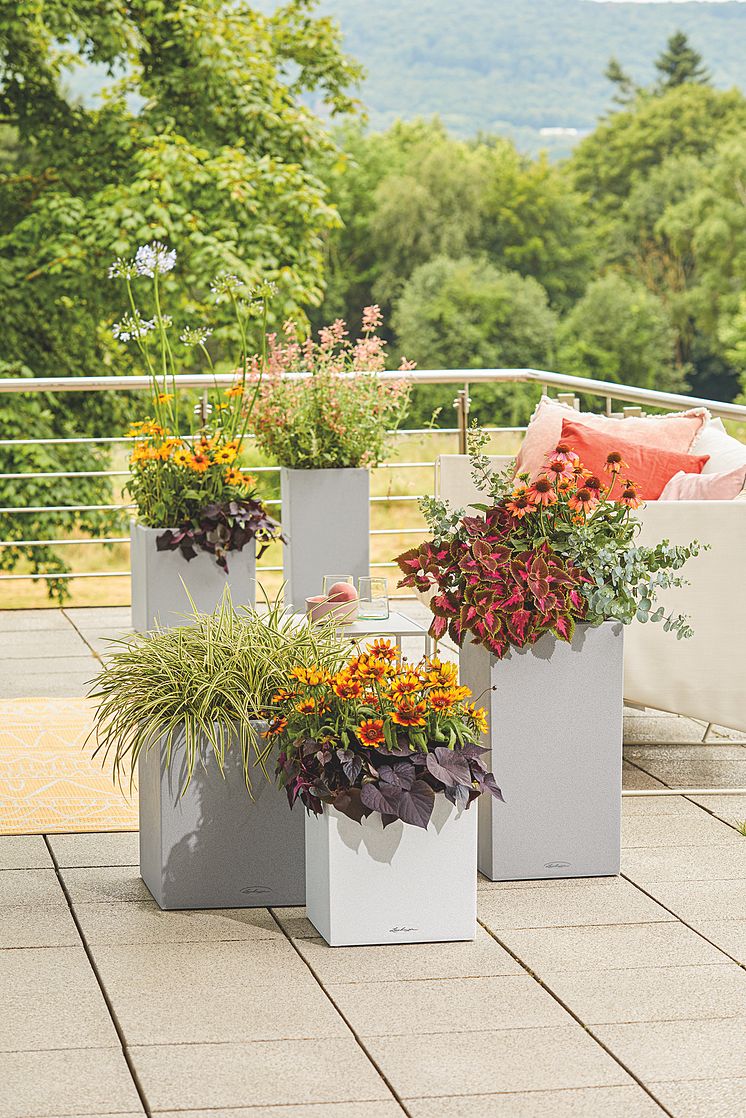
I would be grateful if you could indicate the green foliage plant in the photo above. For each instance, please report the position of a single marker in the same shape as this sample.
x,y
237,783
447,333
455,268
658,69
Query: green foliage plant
x,y
338,413
202,688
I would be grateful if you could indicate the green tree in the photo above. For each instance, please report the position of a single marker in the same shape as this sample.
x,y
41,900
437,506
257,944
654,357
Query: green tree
x,y
625,88
619,331
466,314
680,63
202,138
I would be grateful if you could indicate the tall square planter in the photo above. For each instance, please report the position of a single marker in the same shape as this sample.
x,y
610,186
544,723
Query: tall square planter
x,y
161,580
213,846
368,884
326,517
555,735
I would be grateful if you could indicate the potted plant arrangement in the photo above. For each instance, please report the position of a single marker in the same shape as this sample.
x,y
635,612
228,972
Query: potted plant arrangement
x,y
323,413
384,756
535,588
184,709
198,515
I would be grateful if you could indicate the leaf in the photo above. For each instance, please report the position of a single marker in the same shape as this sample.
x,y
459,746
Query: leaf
x,y
449,767
383,798
349,802
416,805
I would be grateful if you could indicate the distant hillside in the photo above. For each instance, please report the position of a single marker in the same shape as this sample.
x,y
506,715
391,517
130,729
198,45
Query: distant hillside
x,y
518,66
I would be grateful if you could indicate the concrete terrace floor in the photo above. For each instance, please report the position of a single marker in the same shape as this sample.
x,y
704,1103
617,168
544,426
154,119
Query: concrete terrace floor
x,y
593,998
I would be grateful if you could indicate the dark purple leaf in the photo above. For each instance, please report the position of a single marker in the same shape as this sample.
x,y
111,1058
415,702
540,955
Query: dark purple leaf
x,y
449,766
416,805
381,798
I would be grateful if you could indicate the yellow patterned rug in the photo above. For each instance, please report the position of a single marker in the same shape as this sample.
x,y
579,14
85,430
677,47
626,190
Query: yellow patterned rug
x,y
48,780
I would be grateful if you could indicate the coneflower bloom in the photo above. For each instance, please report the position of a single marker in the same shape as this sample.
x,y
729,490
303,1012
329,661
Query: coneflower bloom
x,y
584,500
629,497
409,713
542,492
594,484
383,650
199,462
564,453
614,462
559,468
519,506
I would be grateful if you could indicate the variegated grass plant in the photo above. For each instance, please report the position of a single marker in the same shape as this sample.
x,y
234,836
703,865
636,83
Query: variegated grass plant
x,y
204,686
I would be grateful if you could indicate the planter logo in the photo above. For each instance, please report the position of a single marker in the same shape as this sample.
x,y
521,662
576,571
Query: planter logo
x,y
557,865
396,928
252,890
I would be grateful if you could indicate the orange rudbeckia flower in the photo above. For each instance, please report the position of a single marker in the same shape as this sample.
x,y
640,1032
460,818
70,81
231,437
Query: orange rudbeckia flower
x,y
371,732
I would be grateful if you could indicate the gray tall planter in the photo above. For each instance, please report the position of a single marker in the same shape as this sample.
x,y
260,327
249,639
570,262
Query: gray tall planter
x,y
555,731
161,579
326,516
214,847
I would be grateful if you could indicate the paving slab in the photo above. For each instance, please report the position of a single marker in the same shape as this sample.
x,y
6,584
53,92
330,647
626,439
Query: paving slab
x,y
97,849
99,617
678,831
589,1102
24,852
33,620
39,1020
610,947
696,902
652,993
46,970
280,1073
708,1049
37,926
698,774
704,1098
89,1081
688,863
59,681
731,809
496,1061
453,1005
688,752
296,923
611,901
155,968
634,778
290,1011
42,646
30,887
104,884
122,922
655,727
382,1109
658,805
404,962
728,935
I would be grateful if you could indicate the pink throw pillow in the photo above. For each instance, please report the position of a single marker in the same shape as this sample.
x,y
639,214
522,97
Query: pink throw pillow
x,y
675,432
705,487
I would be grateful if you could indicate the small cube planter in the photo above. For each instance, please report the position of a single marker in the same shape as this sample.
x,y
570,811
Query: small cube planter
x,y
213,847
326,517
555,734
368,884
162,581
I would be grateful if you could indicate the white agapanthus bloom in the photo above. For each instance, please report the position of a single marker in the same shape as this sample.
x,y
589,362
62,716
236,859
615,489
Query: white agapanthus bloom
x,y
122,269
154,259
195,335
132,326
224,285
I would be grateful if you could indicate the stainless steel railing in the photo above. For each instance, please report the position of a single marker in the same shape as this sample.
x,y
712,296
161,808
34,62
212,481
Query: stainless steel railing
x,y
565,386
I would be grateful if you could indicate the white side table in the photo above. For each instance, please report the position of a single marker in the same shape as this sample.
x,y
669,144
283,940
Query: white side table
x,y
395,626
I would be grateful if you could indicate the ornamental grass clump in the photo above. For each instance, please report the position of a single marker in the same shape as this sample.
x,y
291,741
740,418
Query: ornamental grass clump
x,y
338,412
379,735
185,471
542,556
203,688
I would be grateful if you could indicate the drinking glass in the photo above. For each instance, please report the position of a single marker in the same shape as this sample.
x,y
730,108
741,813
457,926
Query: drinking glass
x,y
332,580
374,599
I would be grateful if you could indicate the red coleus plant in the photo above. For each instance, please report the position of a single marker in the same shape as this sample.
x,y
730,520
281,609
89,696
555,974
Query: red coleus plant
x,y
485,587
505,576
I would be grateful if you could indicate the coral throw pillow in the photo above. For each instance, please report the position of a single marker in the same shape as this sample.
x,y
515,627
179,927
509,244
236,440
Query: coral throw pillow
x,y
667,432
647,466
705,487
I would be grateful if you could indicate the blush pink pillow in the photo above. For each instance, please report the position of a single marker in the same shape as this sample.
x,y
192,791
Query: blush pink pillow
x,y
705,487
675,432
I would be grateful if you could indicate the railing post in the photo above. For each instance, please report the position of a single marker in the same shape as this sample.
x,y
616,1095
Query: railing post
x,y
461,404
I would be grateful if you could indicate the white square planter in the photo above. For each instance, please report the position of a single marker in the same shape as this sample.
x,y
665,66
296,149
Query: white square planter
x,y
402,884
161,579
555,732
213,847
326,517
